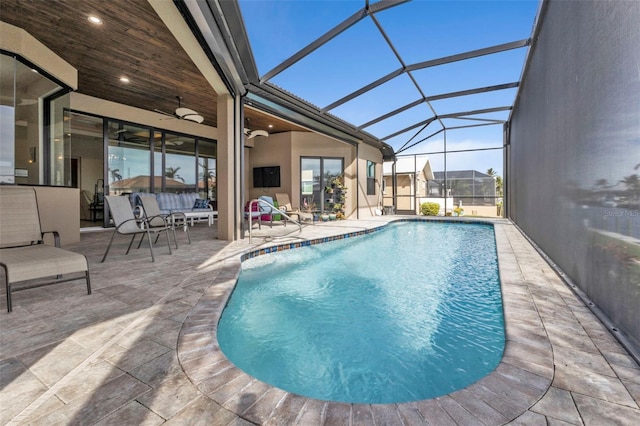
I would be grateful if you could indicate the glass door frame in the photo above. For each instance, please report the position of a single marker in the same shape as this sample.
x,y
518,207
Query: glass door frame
x,y
322,182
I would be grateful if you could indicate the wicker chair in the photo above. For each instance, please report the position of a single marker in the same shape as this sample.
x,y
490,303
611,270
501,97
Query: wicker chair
x,y
23,255
127,224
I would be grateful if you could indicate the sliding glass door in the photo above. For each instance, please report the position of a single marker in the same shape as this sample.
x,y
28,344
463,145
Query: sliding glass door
x,y
316,173
129,167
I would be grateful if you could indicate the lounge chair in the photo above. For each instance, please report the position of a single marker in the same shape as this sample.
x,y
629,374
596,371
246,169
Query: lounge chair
x,y
127,224
268,213
151,212
24,256
284,204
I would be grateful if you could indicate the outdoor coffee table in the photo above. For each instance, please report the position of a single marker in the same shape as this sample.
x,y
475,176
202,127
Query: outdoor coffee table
x,y
210,215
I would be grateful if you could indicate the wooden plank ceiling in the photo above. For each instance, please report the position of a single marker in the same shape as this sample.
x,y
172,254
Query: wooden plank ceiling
x,y
132,41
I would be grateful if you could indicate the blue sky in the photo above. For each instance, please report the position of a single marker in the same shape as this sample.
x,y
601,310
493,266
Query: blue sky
x,y
420,30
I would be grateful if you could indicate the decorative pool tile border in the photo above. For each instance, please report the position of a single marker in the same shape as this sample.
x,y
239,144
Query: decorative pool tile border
x,y
291,246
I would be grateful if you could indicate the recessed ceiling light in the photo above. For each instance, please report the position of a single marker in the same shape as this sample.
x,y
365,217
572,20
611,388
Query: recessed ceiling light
x,y
124,79
94,19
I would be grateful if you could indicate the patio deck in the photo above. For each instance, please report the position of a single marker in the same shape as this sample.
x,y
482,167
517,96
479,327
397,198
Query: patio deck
x,y
142,349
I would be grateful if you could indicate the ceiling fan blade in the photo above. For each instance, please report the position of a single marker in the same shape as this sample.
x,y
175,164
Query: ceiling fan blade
x,y
249,134
165,113
189,114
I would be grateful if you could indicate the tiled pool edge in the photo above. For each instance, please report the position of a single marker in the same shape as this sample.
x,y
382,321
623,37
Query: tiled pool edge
x,y
503,395
315,241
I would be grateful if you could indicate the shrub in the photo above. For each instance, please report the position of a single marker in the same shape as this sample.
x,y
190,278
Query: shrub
x,y
429,209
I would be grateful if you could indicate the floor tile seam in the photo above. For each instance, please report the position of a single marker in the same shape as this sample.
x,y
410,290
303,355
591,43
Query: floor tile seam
x,y
542,324
9,355
256,402
572,392
598,350
627,345
35,404
549,284
130,369
575,405
71,401
616,375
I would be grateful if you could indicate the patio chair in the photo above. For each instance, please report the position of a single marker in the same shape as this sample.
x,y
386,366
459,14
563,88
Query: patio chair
x,y
268,213
151,211
284,204
24,256
127,224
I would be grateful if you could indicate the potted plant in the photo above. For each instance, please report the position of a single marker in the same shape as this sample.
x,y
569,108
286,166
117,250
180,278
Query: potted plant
x,y
339,195
310,207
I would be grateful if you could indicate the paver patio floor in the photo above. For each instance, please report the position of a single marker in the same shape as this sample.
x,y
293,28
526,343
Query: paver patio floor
x,y
142,348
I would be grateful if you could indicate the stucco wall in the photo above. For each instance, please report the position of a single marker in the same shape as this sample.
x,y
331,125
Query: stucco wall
x,y
285,150
274,150
368,204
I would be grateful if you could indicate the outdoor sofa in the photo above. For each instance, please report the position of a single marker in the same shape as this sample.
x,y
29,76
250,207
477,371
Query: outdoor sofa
x,y
189,205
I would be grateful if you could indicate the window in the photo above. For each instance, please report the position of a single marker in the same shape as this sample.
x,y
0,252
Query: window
x,y
371,178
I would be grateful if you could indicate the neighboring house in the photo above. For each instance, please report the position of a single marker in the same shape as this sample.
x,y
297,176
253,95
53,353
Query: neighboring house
x,y
413,175
143,183
469,187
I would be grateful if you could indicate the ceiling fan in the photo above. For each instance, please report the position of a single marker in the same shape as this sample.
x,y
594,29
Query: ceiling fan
x,y
183,113
248,133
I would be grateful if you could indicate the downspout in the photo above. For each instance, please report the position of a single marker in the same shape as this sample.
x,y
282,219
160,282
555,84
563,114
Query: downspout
x,y
394,182
506,152
446,191
239,195
357,181
415,184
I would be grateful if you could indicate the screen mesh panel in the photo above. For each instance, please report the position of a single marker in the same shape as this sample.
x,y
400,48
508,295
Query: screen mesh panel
x,y
574,154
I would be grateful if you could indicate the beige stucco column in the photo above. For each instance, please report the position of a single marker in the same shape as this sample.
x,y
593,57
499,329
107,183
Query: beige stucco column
x,y
229,168
225,168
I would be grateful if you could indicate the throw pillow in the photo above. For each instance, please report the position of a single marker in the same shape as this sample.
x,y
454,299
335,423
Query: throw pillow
x,y
201,204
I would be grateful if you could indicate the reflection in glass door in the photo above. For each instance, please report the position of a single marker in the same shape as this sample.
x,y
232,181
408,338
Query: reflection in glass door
x,y
129,159
310,196
180,163
207,170
87,166
315,174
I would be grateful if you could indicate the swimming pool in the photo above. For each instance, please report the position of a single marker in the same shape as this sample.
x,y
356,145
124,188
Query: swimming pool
x,y
411,312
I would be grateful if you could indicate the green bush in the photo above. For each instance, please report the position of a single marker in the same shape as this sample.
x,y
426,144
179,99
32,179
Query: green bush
x,y
429,209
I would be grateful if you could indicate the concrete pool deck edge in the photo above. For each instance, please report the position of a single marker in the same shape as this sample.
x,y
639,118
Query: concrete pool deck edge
x,y
533,296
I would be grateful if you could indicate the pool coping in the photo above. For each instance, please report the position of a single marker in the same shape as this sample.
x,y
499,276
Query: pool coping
x,y
522,377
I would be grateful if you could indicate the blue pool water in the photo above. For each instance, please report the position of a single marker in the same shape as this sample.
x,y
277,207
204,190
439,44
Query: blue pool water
x,y
411,312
